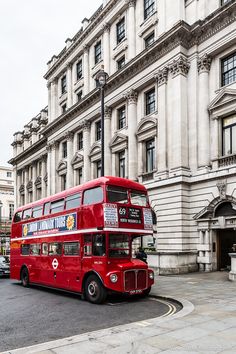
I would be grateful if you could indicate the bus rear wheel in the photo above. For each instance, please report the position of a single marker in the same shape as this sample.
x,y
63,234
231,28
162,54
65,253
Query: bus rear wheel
x,y
24,277
94,290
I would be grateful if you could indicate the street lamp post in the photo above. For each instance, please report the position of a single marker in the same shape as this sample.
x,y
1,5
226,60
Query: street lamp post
x,y
102,77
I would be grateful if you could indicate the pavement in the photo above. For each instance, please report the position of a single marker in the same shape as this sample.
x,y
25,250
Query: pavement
x,y
206,324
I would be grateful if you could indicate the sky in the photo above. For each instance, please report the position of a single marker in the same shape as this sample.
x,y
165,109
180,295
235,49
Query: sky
x,y
31,32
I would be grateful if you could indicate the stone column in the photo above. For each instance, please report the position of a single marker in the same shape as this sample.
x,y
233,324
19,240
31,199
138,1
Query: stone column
x,y
204,65
86,69
34,176
18,184
70,173
43,174
131,97
131,32
86,136
25,183
106,47
53,167
201,239
49,87
179,155
107,137
162,149
69,85
49,154
54,99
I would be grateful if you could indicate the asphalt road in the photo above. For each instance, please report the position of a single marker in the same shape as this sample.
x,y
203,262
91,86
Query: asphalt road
x,y
34,315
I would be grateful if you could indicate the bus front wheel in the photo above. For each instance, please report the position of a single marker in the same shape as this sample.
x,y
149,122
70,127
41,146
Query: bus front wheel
x,y
24,277
94,290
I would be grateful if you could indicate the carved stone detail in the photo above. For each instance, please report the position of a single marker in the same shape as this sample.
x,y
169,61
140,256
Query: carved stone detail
x,y
69,136
86,125
107,112
221,185
162,76
204,64
130,2
131,96
179,66
106,27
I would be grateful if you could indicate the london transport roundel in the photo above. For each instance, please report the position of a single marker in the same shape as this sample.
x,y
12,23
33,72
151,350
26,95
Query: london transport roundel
x,y
55,263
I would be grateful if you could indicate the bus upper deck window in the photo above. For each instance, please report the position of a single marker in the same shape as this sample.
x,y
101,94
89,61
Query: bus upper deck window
x,y
18,216
37,211
117,194
73,201
138,198
46,208
57,205
93,196
27,214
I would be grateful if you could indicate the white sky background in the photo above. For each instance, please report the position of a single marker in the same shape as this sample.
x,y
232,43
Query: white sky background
x,y
31,32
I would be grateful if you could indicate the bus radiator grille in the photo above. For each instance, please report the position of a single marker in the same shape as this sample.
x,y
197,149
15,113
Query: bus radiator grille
x,y
135,279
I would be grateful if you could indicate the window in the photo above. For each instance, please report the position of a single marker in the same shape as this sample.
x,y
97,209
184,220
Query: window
x,y
35,249
64,149
120,31
98,52
80,141
224,2
150,155
121,117
149,7
149,40
46,208
9,174
87,245
228,68
118,245
73,201
57,205
122,164
37,211
99,245
138,198
25,250
11,211
98,168
44,249
117,194
98,130
27,214
229,136
150,101
71,248
79,70
80,175
55,249
79,95
18,216
120,63
93,196
63,182
63,84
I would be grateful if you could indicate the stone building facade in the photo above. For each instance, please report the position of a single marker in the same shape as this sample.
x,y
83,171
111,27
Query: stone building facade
x,y
170,121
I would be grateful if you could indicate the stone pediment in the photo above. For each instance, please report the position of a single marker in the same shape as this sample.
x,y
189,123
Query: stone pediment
x,y
118,139
95,149
223,104
146,128
62,165
77,158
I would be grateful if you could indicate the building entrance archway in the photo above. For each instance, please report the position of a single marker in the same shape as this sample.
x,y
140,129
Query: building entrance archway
x,y
226,240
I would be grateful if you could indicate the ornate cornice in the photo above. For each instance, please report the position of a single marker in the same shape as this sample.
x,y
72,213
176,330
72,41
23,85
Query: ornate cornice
x,y
162,76
69,136
131,3
179,66
204,63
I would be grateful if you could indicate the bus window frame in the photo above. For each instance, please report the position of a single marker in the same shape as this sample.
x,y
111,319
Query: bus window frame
x,y
90,189
72,255
28,217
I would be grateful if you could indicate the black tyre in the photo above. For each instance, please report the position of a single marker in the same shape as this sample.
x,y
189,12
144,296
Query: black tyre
x,y
146,292
24,277
94,290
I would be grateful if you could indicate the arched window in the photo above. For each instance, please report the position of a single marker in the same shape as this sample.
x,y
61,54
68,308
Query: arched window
x,y
225,209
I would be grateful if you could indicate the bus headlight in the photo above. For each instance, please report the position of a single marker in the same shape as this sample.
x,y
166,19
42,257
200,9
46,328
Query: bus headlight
x,y
151,275
113,278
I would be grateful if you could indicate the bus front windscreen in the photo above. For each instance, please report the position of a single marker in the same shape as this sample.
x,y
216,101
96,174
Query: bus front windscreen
x,y
138,198
117,194
119,245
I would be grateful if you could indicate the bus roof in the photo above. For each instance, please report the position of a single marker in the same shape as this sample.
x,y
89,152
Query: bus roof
x,y
111,180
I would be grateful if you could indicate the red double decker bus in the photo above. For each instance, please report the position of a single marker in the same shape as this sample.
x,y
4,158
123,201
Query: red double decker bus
x,y
81,239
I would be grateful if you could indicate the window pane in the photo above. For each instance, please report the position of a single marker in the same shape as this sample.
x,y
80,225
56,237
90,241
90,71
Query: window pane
x,y
118,245
233,139
57,206
18,216
37,211
99,245
138,198
93,196
44,249
73,201
55,248
35,249
46,208
117,195
226,142
27,214
25,250
71,248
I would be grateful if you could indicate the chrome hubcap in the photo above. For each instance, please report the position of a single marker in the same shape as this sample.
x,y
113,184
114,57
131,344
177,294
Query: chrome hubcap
x,y
92,289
